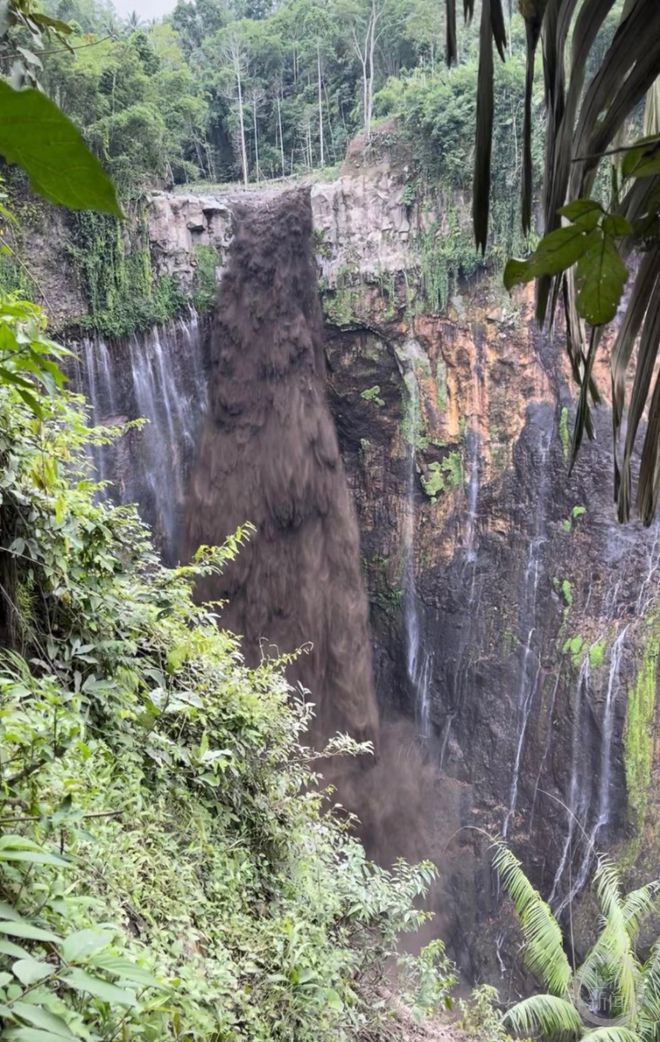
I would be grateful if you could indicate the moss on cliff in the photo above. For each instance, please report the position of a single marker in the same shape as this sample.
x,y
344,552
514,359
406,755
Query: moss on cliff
x,y
116,276
638,736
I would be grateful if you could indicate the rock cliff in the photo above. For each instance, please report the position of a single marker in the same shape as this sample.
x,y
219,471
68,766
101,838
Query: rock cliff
x,y
513,620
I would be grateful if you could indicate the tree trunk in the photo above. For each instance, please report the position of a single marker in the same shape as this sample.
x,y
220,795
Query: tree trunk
x,y
320,93
241,120
279,127
256,137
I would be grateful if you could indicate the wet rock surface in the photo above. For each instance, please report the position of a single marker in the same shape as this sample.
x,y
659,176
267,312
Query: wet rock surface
x,y
511,616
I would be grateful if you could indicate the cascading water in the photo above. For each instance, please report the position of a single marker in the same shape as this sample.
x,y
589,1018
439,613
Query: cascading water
x,y
531,655
159,377
603,816
647,587
418,660
473,450
579,797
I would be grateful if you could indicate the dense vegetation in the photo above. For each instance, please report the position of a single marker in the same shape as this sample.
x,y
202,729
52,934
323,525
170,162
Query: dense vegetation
x,y
227,90
166,868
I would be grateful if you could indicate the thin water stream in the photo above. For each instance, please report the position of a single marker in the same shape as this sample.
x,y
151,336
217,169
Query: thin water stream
x,y
158,377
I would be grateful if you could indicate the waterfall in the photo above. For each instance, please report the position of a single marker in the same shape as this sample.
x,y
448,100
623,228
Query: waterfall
x,y
418,661
647,588
605,782
578,799
472,447
158,377
473,450
530,665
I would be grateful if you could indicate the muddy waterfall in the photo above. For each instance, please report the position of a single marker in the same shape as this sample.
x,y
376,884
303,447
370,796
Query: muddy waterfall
x,y
463,602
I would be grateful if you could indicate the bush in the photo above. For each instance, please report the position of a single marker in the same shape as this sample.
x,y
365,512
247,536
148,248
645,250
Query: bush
x,y
166,870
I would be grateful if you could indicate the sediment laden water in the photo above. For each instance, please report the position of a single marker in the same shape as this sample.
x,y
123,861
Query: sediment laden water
x,y
268,453
158,377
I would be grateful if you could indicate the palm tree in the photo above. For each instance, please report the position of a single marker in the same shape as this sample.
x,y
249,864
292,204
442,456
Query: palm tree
x,y
611,968
584,259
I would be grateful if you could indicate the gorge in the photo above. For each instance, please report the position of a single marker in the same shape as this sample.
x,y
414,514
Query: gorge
x,y
410,461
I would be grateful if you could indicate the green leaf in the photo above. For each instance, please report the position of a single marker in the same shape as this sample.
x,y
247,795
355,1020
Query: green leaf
x,y
36,136
333,999
8,911
30,932
27,1035
586,212
31,970
83,943
100,989
600,277
517,272
643,161
616,225
126,969
32,857
16,952
42,1018
560,249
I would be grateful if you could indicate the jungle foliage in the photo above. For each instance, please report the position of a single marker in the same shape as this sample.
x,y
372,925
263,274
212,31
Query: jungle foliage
x,y
614,994
167,867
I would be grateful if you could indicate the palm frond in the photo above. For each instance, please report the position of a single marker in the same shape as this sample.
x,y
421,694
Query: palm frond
x,y
584,117
647,352
638,905
612,957
649,1010
544,952
484,131
608,885
611,1033
548,1015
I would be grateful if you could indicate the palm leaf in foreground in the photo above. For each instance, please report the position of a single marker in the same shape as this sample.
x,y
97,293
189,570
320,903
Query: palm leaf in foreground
x,y
585,118
611,1033
544,951
612,955
548,1015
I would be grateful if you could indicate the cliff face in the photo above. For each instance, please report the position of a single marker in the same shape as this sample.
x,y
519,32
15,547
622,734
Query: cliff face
x,y
513,620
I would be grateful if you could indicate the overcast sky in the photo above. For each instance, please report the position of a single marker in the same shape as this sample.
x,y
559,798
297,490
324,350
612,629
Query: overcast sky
x,y
145,8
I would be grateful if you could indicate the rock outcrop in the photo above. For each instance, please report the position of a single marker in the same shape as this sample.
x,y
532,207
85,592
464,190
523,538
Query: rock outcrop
x,y
513,620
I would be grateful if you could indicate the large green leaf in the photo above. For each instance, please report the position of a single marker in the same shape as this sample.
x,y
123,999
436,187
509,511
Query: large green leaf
x,y
28,931
30,970
100,989
36,136
42,1018
600,277
83,943
548,1015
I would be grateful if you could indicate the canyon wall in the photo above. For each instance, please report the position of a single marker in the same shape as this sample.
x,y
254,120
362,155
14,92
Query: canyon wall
x,y
513,621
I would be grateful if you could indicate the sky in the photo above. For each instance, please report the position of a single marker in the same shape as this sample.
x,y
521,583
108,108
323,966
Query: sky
x,y
145,8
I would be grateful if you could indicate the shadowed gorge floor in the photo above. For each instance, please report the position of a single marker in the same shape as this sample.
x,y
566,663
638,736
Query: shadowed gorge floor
x,y
268,454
